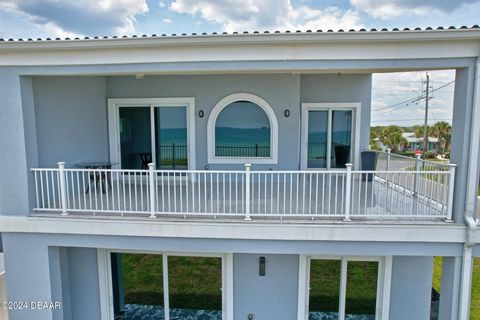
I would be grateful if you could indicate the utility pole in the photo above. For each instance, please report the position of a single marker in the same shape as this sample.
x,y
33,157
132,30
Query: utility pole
x,y
425,129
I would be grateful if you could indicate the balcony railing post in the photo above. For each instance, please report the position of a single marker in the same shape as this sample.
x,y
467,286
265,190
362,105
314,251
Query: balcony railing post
x,y
151,178
247,192
451,183
387,166
348,192
63,189
418,162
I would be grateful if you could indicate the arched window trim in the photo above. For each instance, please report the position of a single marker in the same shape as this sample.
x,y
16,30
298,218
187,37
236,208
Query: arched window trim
x,y
212,120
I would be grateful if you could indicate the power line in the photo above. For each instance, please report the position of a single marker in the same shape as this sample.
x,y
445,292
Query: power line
x,y
411,100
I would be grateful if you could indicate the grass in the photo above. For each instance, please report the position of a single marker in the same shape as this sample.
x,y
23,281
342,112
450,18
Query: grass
x,y
437,273
194,282
475,299
361,286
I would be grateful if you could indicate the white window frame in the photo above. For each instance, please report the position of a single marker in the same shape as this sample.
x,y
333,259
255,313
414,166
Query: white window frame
x,y
384,279
114,106
273,159
355,107
106,288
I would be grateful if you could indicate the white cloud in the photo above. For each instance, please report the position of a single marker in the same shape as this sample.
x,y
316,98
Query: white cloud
x,y
386,9
88,17
240,15
162,4
166,20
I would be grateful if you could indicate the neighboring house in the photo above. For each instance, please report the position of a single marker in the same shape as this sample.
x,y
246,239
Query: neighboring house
x,y
245,148
416,143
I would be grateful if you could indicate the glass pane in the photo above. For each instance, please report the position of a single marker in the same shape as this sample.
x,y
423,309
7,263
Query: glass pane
x,y
135,137
324,289
361,295
137,283
242,129
341,138
317,139
195,287
171,137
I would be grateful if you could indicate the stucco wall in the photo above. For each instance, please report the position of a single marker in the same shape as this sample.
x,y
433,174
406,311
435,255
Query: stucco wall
x,y
279,90
341,88
71,113
273,296
411,288
71,119
33,274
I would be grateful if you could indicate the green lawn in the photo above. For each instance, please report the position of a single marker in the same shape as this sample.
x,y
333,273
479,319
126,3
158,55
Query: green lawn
x,y
475,301
194,282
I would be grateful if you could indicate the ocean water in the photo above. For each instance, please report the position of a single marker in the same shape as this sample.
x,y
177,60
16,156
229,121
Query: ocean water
x,y
235,137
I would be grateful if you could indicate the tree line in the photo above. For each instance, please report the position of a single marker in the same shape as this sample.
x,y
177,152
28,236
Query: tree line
x,y
391,136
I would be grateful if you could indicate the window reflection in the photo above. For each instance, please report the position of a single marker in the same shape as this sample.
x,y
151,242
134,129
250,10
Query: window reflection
x,y
242,130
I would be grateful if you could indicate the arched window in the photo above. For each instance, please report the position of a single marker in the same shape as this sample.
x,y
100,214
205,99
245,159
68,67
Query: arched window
x,y
242,128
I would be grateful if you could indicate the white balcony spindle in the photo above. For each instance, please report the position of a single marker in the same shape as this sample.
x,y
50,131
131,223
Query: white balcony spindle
x,y
247,192
63,189
451,183
418,162
151,177
348,192
387,165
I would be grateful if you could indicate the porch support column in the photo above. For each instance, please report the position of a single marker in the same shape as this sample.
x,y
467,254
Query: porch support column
x,y
28,275
411,287
14,174
462,126
449,292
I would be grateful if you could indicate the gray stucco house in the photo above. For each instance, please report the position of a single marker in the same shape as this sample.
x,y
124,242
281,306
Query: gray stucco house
x,y
244,148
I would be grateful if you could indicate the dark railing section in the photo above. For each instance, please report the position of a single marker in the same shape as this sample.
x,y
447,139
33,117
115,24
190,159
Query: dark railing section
x,y
172,155
317,151
243,151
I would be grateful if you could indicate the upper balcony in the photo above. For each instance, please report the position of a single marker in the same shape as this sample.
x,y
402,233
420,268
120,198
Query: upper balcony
x,y
175,150
398,189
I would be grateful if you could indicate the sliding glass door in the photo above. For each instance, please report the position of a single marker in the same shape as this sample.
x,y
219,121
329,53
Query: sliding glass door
x,y
341,138
155,134
317,139
170,287
327,137
343,288
135,137
171,137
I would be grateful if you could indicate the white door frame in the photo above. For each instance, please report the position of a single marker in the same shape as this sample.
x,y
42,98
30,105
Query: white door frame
x,y
106,288
384,279
355,107
114,105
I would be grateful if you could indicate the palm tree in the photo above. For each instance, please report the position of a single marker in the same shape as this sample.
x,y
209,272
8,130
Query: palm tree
x,y
442,131
391,136
419,131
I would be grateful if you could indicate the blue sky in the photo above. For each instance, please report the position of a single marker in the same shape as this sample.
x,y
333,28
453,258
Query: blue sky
x,y
68,18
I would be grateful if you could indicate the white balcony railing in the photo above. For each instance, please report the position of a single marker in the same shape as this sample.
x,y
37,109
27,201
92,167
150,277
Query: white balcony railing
x,y
347,194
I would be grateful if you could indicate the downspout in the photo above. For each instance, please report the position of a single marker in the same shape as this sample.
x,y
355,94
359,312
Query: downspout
x,y
470,220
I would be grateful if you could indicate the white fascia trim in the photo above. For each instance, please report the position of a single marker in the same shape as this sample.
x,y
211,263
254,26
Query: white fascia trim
x,y
241,51
430,233
229,39
239,160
